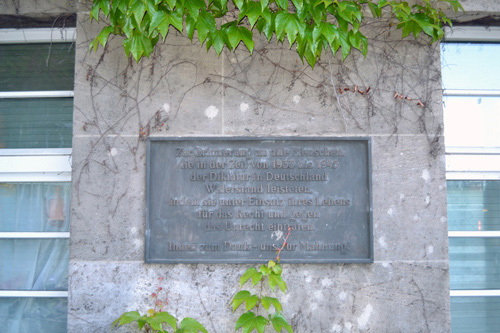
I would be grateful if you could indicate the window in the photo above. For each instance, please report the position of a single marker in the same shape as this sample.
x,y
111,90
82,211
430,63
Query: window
x,y
36,107
471,116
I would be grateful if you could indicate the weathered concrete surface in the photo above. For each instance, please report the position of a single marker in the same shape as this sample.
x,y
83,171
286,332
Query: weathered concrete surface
x,y
484,6
36,8
381,297
184,91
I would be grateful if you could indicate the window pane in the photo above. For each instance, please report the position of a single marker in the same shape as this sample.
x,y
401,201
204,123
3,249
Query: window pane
x,y
34,264
473,205
34,67
41,315
472,121
475,314
470,66
34,207
36,123
474,263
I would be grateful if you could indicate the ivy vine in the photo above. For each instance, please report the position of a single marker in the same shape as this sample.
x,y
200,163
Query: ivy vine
x,y
310,26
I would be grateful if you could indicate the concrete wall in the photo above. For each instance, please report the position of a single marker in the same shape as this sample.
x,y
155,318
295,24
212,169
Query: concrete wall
x,y
269,94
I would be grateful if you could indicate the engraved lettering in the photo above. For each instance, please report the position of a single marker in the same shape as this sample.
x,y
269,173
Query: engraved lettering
x,y
196,177
287,189
300,202
186,165
301,176
216,165
239,189
277,215
280,152
205,214
233,164
172,246
293,227
244,227
254,201
211,188
184,202
318,246
231,202
303,215
223,214
237,246
209,247
274,247
254,214
180,152
260,153
213,227
259,165
328,201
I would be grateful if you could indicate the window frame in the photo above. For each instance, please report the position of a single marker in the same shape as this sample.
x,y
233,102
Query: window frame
x,y
35,165
461,162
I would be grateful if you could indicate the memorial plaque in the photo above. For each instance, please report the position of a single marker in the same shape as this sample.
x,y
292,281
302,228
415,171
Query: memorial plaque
x,y
232,200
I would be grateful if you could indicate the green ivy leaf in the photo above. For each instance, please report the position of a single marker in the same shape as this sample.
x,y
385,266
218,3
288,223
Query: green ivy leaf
x,y
190,325
454,4
279,322
265,270
190,27
298,4
243,319
376,10
343,42
154,323
205,25
264,5
326,30
194,6
275,279
268,301
290,24
310,57
176,20
256,279
310,25
239,298
141,322
283,4
244,296
252,10
127,318
162,20
266,25
138,9
171,3
247,275
410,27
136,46
218,39
166,317
103,5
251,302
277,269
249,322
326,3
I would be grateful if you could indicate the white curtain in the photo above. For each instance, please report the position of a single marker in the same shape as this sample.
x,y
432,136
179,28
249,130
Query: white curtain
x,y
34,264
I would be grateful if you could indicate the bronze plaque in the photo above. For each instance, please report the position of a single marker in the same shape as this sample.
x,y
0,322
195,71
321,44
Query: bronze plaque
x,y
232,200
